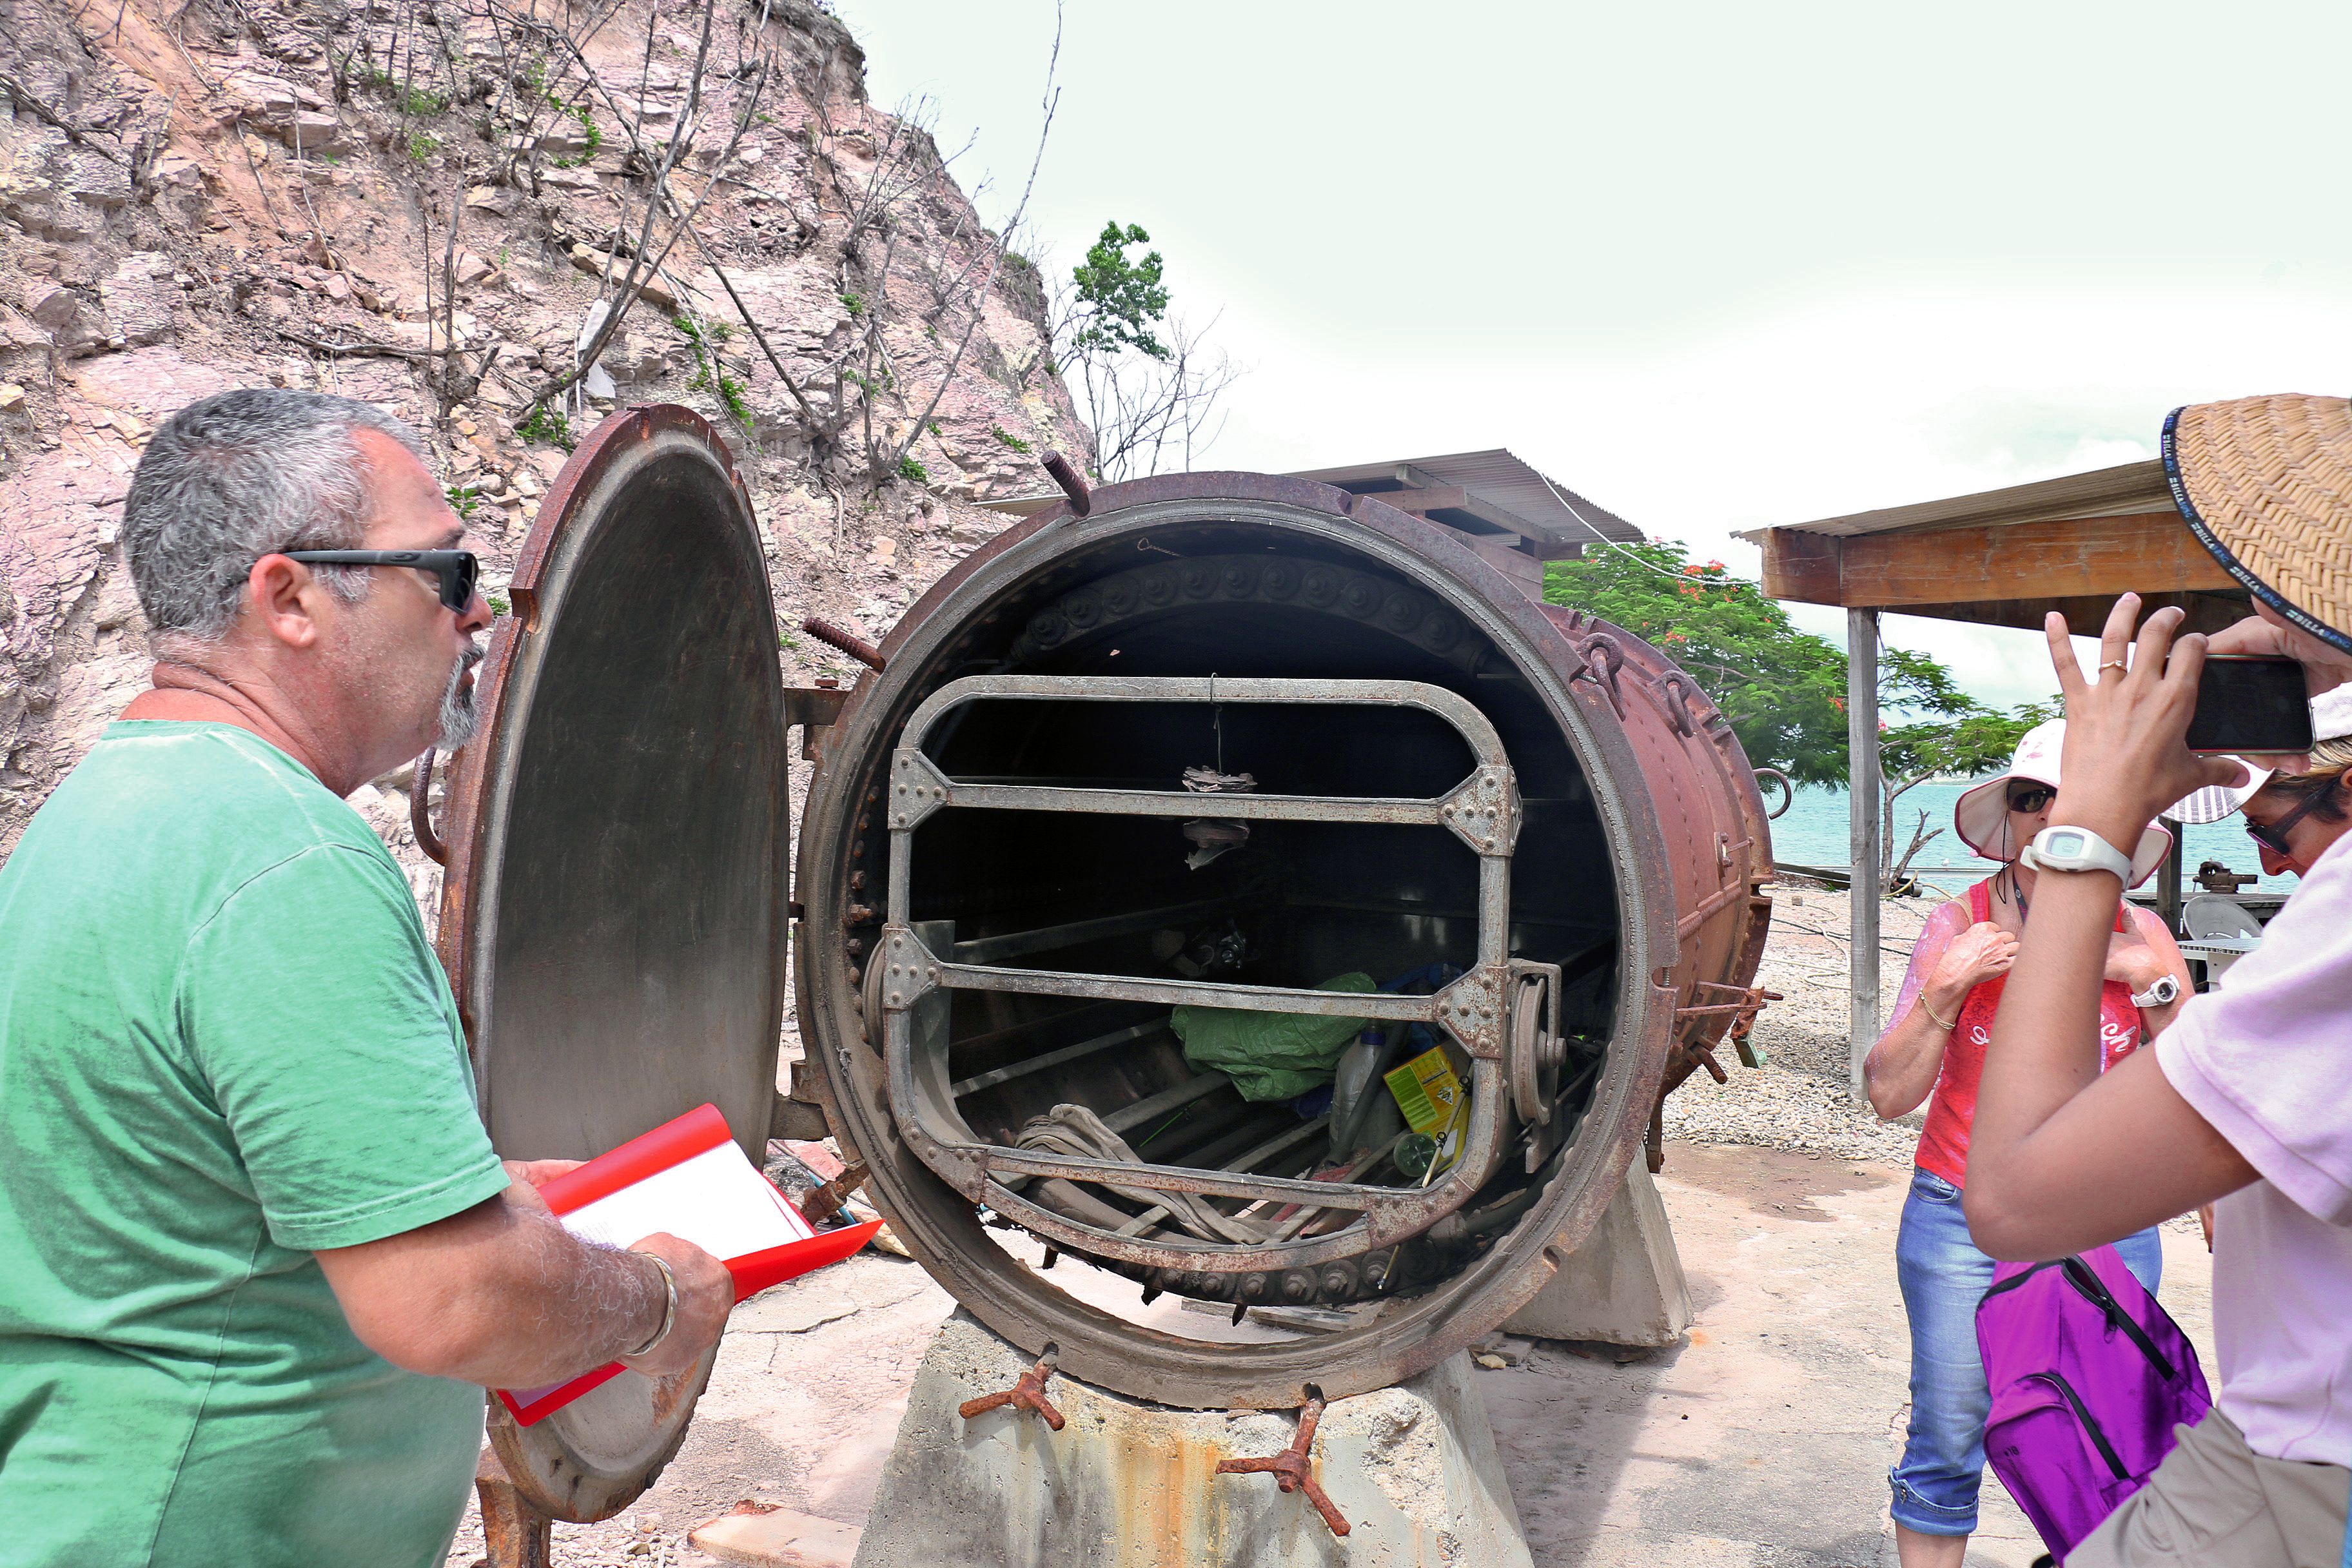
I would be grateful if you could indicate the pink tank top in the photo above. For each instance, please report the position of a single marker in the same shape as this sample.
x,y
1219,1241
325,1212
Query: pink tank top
x,y
1943,1145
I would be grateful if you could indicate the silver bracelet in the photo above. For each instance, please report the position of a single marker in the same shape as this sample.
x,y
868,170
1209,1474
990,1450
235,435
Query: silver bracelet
x,y
669,1311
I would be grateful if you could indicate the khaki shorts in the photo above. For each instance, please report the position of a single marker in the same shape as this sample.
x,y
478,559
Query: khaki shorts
x,y
2216,1503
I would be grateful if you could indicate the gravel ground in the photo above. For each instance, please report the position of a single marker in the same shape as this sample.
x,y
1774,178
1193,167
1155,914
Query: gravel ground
x,y
1798,1099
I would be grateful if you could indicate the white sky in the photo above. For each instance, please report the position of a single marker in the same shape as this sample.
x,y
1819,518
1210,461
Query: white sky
x,y
1715,265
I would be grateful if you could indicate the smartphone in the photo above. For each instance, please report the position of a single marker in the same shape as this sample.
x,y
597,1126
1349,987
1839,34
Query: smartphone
x,y
2246,703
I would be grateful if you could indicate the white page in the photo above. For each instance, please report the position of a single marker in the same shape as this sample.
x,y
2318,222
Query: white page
x,y
715,1200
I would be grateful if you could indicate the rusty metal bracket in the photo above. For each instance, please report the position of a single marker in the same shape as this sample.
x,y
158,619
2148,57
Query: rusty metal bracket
x,y
514,1533
1484,811
917,788
1788,791
420,811
1471,1009
1742,1005
906,968
814,709
1027,1393
1293,1468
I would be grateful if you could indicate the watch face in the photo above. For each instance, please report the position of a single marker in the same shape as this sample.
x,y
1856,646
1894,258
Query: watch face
x,y
2066,843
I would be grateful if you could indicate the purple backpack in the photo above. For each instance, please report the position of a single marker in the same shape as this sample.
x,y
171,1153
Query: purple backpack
x,y
2089,1378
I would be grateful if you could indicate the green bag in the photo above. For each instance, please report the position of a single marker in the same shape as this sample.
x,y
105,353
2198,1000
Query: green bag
x,y
1270,1055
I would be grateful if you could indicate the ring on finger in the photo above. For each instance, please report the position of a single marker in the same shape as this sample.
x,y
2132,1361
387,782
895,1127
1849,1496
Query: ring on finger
x,y
2115,664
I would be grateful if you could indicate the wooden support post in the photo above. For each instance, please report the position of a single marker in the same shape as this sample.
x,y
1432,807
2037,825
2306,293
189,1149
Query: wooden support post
x,y
2168,881
1862,803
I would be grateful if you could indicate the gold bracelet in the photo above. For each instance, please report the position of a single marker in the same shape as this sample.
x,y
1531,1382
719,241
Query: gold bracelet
x,y
1929,1008
669,1311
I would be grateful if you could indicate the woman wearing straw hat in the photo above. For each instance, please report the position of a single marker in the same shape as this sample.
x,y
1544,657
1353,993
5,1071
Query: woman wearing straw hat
x,y
2247,1099
1942,1020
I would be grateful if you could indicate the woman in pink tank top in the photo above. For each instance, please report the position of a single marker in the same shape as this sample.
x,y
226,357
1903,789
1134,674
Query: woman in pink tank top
x,y
1942,1022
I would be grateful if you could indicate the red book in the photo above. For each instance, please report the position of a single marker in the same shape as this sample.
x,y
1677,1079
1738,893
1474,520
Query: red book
x,y
689,1178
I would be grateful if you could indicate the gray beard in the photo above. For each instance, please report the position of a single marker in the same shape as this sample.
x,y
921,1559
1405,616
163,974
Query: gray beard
x,y
458,716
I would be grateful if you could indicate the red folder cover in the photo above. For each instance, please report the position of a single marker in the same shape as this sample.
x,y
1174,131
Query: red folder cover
x,y
700,1138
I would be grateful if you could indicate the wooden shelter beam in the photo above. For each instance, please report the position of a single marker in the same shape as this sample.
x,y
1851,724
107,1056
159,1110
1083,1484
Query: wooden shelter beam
x,y
2089,557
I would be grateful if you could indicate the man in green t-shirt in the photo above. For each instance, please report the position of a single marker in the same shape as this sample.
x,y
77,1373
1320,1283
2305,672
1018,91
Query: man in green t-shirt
x,y
257,1255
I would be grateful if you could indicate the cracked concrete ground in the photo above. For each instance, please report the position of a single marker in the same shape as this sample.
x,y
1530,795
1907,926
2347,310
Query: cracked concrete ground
x,y
1765,1439
1761,1442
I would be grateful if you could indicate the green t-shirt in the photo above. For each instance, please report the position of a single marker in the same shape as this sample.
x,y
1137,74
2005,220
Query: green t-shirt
x,y
224,1042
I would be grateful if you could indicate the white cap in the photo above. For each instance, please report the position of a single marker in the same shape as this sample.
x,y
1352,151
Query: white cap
x,y
1981,815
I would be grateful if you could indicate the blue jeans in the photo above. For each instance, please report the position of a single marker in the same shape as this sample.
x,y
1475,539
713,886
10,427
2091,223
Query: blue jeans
x,y
1943,1278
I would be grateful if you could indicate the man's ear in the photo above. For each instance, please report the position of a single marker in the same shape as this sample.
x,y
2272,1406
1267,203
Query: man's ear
x,y
281,594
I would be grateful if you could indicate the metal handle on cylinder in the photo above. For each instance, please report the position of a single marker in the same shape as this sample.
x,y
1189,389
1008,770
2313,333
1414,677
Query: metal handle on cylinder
x,y
420,814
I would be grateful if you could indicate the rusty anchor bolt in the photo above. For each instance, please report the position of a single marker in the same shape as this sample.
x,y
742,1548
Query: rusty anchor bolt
x,y
1028,1394
1064,473
823,1203
1290,1468
848,642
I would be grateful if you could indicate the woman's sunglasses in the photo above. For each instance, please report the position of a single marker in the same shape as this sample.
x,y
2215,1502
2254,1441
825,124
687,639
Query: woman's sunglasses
x,y
2272,835
458,570
2028,801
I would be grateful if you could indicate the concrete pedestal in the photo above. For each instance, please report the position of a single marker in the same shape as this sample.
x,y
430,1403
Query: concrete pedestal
x,y
1624,1285
1129,1484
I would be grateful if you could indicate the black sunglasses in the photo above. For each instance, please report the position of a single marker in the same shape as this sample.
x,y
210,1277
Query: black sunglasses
x,y
459,570
2029,800
2272,835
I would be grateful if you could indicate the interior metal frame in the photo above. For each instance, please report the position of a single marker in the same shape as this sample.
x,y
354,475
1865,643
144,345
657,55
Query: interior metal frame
x,y
1482,811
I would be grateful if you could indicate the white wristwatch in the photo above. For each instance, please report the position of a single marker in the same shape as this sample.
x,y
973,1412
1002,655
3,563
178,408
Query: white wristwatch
x,y
2075,849
2160,995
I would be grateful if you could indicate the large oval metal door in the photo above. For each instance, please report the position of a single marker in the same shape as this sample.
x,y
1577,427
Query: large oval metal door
x,y
613,914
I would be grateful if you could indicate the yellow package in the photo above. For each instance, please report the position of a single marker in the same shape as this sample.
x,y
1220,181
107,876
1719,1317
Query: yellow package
x,y
1427,1092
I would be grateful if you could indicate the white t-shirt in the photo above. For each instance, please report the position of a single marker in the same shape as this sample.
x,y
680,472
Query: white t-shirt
x,y
2268,1061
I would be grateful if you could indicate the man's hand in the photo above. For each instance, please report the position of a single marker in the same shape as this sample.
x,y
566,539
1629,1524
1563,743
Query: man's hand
x,y
503,1295
1976,955
539,1172
2264,634
706,1294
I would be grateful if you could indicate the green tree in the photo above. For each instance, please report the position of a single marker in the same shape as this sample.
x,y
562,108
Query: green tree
x,y
1147,386
1119,301
1958,743
1782,689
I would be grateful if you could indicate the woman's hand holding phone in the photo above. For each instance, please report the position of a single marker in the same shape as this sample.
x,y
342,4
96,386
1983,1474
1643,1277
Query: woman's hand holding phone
x,y
2124,758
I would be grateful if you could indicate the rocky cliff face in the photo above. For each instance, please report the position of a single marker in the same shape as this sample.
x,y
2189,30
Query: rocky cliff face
x,y
423,206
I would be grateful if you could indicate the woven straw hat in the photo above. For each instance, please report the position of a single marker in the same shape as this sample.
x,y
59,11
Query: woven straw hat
x,y
2267,485
1980,816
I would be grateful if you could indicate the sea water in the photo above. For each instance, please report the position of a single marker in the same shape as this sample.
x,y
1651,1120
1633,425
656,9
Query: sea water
x,y
1814,832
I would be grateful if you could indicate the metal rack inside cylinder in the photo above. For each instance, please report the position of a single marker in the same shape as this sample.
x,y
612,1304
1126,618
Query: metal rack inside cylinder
x,y
1179,769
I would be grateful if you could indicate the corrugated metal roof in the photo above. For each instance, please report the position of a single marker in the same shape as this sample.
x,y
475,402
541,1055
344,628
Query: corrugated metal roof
x,y
1498,477
2119,491
1495,478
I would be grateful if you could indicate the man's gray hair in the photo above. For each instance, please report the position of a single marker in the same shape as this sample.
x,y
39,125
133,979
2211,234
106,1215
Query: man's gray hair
x,y
235,476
